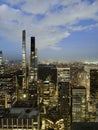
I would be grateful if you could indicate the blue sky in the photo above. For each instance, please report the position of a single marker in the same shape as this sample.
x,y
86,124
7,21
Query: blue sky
x,y
65,30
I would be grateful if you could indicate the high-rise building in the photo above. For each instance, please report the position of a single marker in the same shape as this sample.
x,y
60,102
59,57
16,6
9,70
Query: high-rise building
x,y
1,63
47,71
33,62
91,80
78,104
94,82
64,103
32,73
24,82
1,58
7,90
63,74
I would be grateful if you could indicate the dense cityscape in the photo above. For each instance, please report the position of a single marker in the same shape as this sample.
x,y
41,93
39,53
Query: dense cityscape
x,y
47,95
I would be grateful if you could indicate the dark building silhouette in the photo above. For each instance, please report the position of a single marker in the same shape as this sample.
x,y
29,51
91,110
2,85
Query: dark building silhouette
x,y
32,44
47,71
93,82
63,96
33,62
1,63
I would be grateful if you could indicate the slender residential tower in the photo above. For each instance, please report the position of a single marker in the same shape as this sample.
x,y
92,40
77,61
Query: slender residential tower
x,y
24,80
32,75
33,52
33,61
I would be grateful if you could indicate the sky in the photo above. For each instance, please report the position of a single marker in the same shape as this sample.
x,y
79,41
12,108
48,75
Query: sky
x,y
65,30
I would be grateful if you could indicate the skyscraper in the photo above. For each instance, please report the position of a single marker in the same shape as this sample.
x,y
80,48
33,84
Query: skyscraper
x,y
1,58
94,82
64,101
32,74
24,82
1,63
78,104
33,61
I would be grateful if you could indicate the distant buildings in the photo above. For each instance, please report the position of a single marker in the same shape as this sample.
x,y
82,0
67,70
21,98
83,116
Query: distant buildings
x,y
47,96
7,90
1,63
1,58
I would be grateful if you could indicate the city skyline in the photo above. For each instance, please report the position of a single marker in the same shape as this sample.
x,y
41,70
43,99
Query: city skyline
x,y
64,30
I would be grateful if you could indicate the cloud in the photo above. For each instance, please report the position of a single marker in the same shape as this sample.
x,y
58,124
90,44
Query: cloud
x,y
81,28
50,21
55,48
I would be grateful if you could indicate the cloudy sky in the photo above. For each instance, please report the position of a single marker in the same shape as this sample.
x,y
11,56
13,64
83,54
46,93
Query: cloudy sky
x,y
64,29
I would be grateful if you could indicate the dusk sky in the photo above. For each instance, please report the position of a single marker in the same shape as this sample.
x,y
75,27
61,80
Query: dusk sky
x,y
65,30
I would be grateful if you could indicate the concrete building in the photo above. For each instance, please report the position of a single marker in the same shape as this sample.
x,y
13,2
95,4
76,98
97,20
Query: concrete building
x,y
7,90
79,103
19,118
47,71
24,81
64,103
63,74
84,126
94,83
91,71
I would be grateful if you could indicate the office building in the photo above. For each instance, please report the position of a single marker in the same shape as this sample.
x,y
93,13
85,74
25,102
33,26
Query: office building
x,y
7,90
19,118
94,82
64,103
79,104
47,71
91,84
63,74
